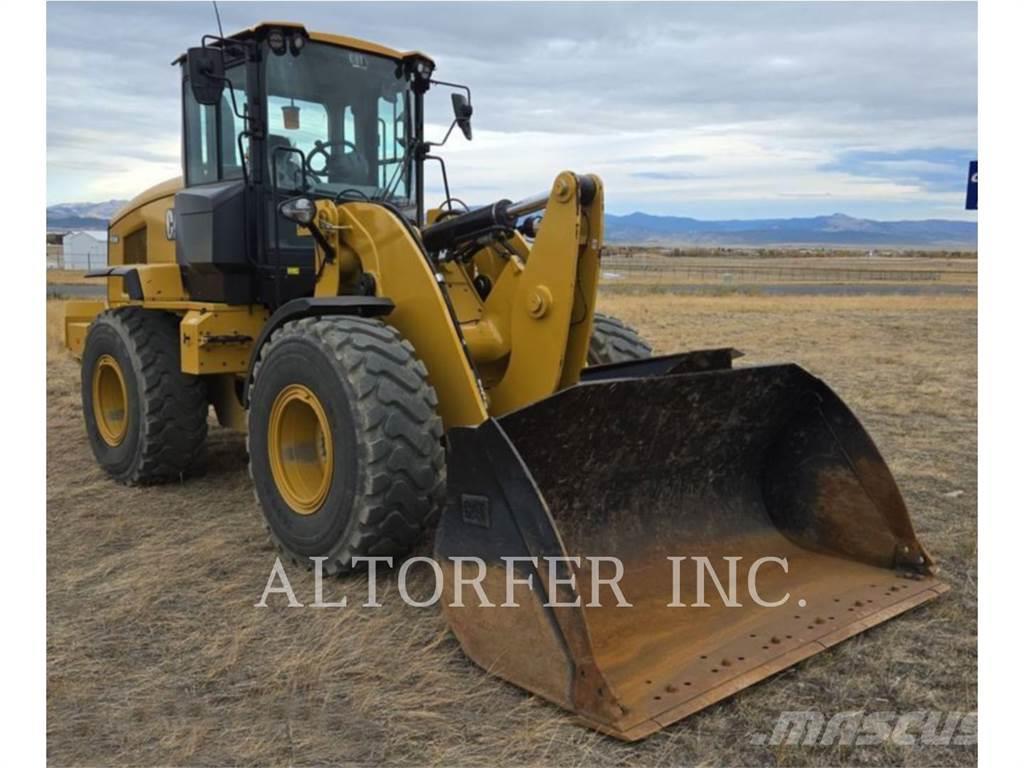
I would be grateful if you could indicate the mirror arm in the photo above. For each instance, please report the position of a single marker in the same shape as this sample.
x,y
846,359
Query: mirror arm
x,y
234,104
442,142
328,249
469,101
226,42
458,86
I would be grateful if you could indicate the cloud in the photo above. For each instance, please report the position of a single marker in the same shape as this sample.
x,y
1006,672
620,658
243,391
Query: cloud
x,y
711,109
662,175
938,169
660,159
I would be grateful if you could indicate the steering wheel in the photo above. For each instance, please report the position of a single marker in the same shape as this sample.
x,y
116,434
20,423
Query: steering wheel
x,y
321,148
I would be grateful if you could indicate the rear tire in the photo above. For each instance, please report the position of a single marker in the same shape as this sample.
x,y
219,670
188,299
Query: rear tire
x,y
345,446
146,420
612,341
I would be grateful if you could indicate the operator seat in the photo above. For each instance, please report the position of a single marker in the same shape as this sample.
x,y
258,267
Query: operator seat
x,y
288,164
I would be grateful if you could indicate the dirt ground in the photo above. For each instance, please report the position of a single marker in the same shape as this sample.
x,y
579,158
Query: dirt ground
x,y
156,655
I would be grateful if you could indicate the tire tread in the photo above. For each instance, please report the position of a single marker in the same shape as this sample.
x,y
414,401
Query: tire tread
x,y
399,444
173,404
612,341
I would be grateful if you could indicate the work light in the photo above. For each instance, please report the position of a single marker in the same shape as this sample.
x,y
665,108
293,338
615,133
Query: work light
x,y
277,42
301,210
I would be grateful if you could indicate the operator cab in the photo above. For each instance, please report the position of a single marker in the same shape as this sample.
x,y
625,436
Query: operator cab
x,y
274,112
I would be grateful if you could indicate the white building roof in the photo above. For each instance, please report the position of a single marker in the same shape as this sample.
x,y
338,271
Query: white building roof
x,y
99,235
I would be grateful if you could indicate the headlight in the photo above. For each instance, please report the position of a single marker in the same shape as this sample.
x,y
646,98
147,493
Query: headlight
x,y
301,210
420,68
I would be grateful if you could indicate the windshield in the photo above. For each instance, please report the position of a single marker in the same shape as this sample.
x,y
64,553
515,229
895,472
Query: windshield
x,y
347,116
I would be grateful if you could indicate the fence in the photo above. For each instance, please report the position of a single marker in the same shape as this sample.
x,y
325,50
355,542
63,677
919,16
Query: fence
x,y
58,258
54,256
665,269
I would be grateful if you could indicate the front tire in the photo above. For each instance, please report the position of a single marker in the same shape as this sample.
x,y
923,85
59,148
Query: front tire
x,y
344,441
612,341
146,420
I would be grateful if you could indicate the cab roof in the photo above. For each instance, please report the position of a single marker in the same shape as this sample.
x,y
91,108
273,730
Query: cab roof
x,y
355,43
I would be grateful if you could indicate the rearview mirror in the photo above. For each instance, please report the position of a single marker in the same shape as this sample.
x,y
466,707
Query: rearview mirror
x,y
206,74
463,112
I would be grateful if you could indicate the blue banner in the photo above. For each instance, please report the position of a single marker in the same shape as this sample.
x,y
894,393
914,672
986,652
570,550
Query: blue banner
x,y
972,186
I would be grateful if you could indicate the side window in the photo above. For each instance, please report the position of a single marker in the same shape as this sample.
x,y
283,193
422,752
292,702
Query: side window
x,y
211,134
232,125
200,140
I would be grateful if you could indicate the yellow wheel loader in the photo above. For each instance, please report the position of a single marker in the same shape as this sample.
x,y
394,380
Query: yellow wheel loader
x,y
396,368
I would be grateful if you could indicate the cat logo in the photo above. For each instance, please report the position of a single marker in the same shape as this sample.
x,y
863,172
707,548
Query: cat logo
x,y
169,224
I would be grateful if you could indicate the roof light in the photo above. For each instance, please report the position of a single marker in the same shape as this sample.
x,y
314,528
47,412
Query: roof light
x,y
277,42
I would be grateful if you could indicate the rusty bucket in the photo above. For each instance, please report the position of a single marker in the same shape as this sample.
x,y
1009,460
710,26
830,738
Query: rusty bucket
x,y
680,456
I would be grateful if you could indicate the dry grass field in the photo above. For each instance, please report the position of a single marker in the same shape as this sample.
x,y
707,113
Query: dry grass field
x,y
69,277
156,655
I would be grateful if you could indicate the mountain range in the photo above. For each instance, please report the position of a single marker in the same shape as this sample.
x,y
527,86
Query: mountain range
x,y
81,215
643,228
837,229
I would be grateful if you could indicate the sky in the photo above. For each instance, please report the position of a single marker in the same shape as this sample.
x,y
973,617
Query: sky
x,y
715,111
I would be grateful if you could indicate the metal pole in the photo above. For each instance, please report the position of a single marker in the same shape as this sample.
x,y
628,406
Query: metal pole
x,y
420,150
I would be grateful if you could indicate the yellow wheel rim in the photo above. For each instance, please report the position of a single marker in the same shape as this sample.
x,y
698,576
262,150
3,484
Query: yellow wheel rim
x,y
109,400
301,449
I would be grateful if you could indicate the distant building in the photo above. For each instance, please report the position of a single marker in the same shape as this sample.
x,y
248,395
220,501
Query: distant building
x,y
55,250
85,249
